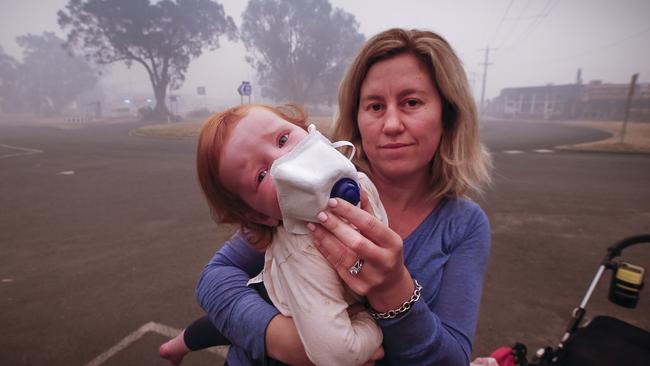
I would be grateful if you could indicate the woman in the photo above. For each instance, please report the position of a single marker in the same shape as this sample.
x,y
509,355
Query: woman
x,y
405,105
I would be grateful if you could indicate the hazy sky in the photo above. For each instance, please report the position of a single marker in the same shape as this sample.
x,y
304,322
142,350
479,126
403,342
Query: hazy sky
x,y
537,41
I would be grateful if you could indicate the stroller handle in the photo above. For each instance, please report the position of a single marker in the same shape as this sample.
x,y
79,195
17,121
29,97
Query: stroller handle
x,y
617,249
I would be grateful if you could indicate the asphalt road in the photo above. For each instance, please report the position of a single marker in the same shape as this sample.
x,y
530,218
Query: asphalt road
x,y
102,232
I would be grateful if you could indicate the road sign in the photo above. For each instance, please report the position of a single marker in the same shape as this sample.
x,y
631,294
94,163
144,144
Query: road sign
x,y
245,88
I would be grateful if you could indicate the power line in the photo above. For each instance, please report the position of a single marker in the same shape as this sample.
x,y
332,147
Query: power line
x,y
535,21
604,46
546,11
505,14
515,22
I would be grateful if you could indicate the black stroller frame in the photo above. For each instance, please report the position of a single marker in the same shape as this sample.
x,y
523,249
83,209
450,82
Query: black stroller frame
x,y
605,340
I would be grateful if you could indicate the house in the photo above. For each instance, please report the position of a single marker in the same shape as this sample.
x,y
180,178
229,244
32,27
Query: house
x,y
593,101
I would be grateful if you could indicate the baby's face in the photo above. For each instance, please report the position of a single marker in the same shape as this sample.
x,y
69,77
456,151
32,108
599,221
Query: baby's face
x,y
253,144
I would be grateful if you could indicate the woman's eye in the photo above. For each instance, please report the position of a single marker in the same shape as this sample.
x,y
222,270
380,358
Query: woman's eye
x,y
375,107
260,176
412,102
283,140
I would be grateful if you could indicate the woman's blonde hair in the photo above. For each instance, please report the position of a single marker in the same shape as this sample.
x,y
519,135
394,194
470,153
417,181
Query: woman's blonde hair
x,y
462,163
226,207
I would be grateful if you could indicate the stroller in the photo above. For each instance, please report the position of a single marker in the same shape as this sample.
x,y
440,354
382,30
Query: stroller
x,y
604,341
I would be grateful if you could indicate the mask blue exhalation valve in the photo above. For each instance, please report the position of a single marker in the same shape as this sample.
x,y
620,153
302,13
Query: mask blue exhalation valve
x,y
348,190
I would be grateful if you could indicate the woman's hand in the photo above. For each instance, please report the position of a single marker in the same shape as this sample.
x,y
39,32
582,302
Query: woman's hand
x,y
345,232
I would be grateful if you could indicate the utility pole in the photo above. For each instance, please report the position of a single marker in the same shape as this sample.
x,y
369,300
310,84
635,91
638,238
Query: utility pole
x,y
485,64
627,105
472,83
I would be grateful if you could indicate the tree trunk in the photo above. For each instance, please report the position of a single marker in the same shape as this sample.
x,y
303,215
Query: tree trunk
x,y
160,92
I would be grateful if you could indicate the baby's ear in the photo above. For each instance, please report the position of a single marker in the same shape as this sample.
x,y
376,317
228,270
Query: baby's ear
x,y
261,219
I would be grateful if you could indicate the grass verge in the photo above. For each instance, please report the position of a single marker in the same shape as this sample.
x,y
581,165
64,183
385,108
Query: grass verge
x,y
637,135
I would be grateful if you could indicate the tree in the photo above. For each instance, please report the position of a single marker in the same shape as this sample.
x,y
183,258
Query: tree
x,y
49,77
299,49
163,36
7,81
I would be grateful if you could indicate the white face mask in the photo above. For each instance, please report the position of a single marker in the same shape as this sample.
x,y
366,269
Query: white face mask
x,y
306,177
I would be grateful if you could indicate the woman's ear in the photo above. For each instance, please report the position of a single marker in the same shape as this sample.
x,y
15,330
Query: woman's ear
x,y
261,219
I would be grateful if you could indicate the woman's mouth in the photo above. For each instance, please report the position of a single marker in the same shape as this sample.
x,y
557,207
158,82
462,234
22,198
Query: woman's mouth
x,y
394,145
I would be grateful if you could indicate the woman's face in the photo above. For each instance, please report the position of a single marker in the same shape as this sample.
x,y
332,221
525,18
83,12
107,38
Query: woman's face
x,y
399,118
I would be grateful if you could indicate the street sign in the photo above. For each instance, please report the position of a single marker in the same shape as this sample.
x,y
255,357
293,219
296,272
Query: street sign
x,y
200,90
245,88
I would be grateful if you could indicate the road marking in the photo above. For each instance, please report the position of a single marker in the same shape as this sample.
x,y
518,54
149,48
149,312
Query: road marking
x,y
24,151
543,151
66,172
161,329
513,152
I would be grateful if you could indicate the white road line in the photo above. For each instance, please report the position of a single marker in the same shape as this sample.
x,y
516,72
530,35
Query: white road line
x,y
24,151
512,151
161,329
543,151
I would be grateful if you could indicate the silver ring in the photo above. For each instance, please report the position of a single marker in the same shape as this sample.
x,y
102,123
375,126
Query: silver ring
x,y
356,267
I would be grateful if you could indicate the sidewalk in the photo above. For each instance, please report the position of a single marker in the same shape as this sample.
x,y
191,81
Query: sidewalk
x,y
61,122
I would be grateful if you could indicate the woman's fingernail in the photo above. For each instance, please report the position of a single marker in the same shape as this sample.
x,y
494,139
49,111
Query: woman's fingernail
x,y
322,216
311,226
332,202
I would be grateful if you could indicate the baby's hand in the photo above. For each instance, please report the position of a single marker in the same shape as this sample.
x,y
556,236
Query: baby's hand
x,y
355,308
378,355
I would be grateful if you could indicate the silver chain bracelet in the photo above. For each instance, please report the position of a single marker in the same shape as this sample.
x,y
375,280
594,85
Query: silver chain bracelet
x,y
391,314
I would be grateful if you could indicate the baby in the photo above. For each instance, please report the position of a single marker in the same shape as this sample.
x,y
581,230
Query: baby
x,y
236,151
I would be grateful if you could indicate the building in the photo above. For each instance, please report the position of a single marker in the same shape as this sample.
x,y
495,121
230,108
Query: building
x,y
537,102
608,102
593,101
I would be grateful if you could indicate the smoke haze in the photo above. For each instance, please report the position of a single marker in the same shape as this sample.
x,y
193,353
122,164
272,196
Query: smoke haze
x,y
533,42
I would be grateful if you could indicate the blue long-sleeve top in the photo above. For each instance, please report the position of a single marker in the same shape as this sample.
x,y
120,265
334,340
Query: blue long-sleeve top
x,y
447,253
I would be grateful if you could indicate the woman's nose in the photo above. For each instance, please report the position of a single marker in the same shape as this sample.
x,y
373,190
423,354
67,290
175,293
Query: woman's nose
x,y
393,121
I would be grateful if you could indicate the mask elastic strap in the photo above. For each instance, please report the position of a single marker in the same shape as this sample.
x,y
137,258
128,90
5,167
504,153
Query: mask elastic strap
x,y
338,144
